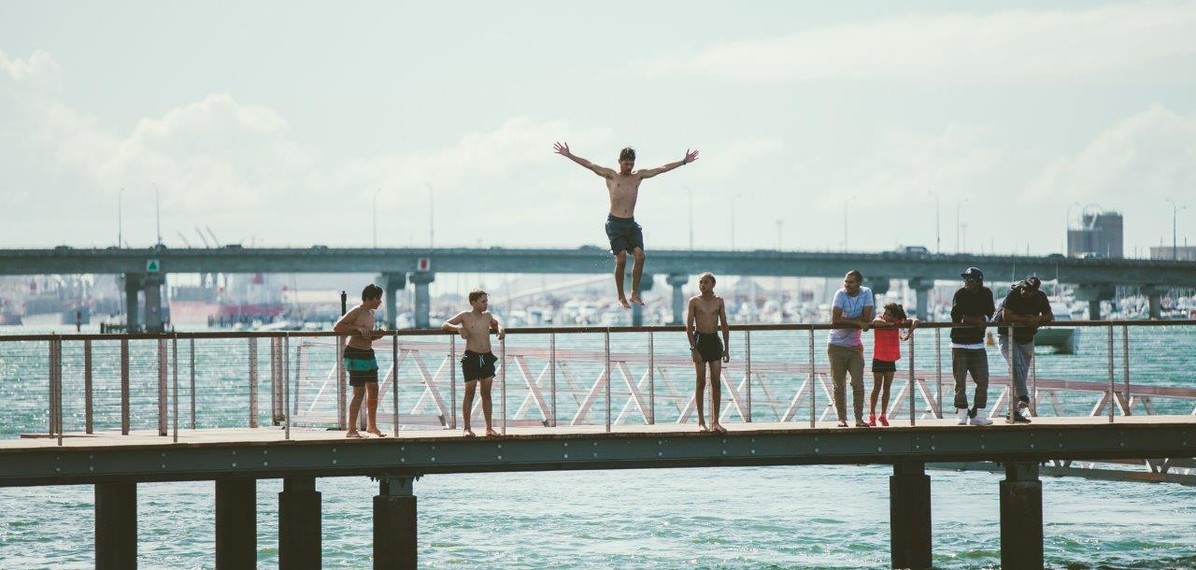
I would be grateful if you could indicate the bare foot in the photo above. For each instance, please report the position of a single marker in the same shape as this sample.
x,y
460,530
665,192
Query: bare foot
x,y
623,301
702,428
375,432
635,298
718,428
469,433
491,433
353,435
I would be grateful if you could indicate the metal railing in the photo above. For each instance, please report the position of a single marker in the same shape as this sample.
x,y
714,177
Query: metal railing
x,y
549,377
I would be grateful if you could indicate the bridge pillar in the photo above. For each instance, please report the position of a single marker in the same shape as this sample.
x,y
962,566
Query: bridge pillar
x,y
423,303
132,287
236,523
909,516
116,525
1154,294
922,287
678,280
637,311
1094,294
391,284
1021,517
396,543
878,285
153,303
299,524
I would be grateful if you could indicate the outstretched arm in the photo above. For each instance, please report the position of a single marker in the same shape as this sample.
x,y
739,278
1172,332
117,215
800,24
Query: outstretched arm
x,y
690,156
563,150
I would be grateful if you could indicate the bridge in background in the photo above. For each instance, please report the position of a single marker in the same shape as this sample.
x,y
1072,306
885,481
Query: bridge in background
x,y
145,269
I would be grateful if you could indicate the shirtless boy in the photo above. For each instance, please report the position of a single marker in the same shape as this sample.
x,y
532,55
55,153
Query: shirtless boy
x,y
706,313
358,324
478,362
625,235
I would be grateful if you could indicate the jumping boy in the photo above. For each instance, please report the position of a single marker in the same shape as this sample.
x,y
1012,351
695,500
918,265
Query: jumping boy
x,y
359,359
625,235
706,313
477,364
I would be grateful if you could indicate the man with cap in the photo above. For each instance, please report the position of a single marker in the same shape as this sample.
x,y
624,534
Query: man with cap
x,y
1023,310
972,305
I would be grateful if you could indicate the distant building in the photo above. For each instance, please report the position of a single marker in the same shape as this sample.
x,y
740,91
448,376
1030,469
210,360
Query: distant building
x,y
1098,235
1181,253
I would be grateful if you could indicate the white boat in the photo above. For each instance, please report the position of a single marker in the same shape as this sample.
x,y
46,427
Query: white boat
x,y
1062,338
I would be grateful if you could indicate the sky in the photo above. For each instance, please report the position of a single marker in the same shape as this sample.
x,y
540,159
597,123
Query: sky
x,y
974,127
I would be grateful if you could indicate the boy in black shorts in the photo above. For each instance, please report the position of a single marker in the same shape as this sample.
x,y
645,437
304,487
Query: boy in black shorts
x,y
706,312
477,364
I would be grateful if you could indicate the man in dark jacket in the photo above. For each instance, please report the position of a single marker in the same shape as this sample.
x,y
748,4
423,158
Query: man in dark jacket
x,y
1026,307
972,305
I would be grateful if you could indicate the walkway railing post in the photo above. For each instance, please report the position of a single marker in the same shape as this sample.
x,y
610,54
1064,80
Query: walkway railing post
x,y
1112,386
1125,361
552,373
124,386
394,383
88,389
503,348
1011,351
162,369
747,339
252,382
606,336
938,372
453,383
192,382
286,384
913,380
174,347
651,378
342,405
813,383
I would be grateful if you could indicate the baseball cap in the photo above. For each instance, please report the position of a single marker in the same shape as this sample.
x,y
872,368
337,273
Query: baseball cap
x,y
973,272
1032,282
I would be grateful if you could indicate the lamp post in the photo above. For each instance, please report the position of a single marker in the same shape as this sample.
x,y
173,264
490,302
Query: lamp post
x,y
733,198
845,201
376,217
1175,208
958,207
938,241
120,224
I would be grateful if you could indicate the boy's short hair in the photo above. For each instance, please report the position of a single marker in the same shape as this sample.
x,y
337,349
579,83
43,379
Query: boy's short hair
x,y
896,309
855,273
371,291
627,153
710,275
476,294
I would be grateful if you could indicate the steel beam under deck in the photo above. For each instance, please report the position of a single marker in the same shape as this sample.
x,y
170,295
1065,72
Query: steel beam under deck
x,y
407,456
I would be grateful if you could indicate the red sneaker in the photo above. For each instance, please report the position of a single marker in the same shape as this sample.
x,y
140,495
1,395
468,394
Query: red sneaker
x,y
884,421
872,420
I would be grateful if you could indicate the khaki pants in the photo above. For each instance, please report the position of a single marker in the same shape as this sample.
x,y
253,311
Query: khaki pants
x,y
846,360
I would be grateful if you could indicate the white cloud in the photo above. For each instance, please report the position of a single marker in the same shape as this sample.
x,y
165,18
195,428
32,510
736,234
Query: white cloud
x,y
730,159
1002,46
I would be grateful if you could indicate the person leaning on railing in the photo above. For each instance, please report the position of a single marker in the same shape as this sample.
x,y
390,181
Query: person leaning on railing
x,y
1026,307
971,305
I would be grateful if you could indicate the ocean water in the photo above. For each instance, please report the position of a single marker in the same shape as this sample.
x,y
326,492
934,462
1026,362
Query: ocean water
x,y
726,518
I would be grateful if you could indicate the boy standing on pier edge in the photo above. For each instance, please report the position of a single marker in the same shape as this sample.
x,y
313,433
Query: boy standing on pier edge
x,y
972,305
706,313
359,359
477,364
625,235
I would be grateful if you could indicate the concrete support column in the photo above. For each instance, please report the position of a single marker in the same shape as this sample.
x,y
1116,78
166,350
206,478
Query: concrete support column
x,y
132,287
909,516
1021,517
396,544
1094,294
1154,295
391,284
637,311
116,526
236,523
299,524
922,287
678,280
153,303
878,285
423,303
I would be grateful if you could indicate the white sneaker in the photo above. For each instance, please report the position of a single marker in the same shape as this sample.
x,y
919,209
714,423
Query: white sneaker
x,y
980,419
962,413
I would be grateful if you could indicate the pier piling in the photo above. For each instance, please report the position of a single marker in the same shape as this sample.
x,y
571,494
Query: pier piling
x,y
299,530
909,516
116,526
1021,517
395,538
236,523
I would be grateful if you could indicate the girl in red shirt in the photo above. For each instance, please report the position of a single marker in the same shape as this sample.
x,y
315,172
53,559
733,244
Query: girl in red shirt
x,y
886,351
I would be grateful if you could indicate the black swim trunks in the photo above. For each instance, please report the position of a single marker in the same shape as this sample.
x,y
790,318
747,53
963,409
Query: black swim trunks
x,y
361,366
624,234
478,365
709,346
883,365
